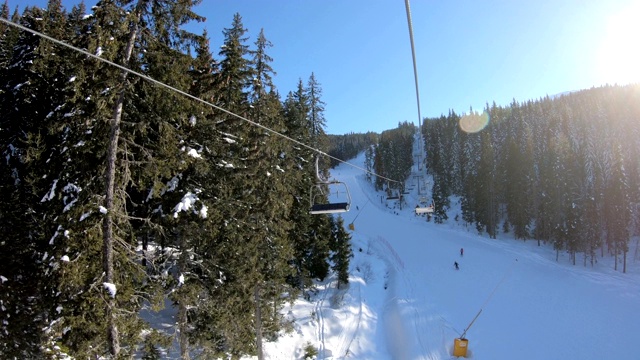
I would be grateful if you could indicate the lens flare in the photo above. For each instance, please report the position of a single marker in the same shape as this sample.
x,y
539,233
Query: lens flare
x,y
474,122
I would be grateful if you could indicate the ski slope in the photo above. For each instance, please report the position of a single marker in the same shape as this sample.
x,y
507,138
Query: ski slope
x,y
406,300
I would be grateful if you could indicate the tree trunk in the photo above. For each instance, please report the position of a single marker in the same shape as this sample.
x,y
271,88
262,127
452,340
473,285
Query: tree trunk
x,y
182,327
258,315
183,321
110,175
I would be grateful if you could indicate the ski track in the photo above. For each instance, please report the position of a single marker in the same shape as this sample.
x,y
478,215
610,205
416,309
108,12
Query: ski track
x,y
428,334
320,323
351,328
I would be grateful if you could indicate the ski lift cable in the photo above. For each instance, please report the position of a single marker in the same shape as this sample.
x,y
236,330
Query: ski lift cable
x,y
504,277
415,76
413,56
181,92
360,211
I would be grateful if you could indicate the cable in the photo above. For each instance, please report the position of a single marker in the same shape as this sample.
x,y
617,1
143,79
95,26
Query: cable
x,y
161,84
413,55
415,75
504,277
359,212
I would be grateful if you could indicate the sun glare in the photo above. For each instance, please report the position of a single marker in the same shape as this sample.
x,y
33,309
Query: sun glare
x,y
619,53
474,122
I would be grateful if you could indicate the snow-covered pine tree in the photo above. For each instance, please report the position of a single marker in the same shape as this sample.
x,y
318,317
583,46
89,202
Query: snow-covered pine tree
x,y
341,251
41,140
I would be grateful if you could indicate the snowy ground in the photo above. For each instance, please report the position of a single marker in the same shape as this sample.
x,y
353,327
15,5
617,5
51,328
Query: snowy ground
x,y
406,300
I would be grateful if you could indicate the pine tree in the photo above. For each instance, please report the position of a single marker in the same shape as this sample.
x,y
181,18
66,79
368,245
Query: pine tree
x,y
316,119
341,251
35,129
617,209
440,200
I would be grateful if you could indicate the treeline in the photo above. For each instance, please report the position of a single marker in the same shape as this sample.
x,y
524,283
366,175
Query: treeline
x,y
348,146
561,170
120,197
392,158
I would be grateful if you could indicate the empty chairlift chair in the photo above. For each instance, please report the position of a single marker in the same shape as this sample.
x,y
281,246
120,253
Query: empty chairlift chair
x,y
317,196
424,209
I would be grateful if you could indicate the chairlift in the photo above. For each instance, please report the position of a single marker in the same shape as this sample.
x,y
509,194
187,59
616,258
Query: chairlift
x,y
390,194
317,196
424,209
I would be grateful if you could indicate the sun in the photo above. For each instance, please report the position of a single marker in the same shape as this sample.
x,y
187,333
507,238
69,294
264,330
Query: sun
x,y
619,52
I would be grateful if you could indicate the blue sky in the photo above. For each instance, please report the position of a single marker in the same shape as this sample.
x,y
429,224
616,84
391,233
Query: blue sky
x,y
469,52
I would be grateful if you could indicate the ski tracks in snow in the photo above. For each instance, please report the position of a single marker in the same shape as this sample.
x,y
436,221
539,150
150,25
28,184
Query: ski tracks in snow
x,y
405,325
351,328
397,334
350,324
320,322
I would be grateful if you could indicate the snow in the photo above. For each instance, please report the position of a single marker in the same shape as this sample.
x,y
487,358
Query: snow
x,y
188,201
185,204
64,258
194,153
102,209
17,87
204,212
51,193
111,288
406,301
172,184
55,234
225,164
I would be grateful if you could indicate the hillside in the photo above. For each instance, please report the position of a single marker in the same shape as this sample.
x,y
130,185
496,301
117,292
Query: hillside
x,y
406,300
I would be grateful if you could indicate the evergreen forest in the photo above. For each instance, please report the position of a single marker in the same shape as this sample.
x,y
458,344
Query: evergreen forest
x,y
121,198
561,170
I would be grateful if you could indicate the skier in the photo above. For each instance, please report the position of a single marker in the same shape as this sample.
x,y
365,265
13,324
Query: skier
x,y
455,263
461,251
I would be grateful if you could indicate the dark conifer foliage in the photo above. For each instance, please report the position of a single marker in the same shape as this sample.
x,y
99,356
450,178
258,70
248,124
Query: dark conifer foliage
x,y
394,157
341,251
348,146
557,169
202,211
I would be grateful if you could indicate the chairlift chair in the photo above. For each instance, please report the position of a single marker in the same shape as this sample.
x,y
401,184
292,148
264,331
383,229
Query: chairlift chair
x,y
424,210
316,193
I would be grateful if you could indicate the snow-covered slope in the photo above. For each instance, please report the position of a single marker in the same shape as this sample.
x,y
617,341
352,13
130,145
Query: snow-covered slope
x,y
407,301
